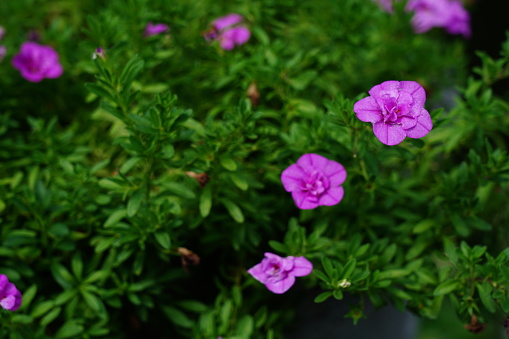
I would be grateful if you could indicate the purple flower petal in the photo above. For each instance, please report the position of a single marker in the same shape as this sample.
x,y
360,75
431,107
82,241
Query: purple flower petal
x,y
241,35
257,272
389,134
36,62
302,201
292,177
332,197
335,172
154,29
227,21
423,126
418,93
311,161
302,267
10,297
367,110
407,122
280,286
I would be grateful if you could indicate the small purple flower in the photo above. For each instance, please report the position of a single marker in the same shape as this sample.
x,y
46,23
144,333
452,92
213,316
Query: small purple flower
x,y
314,181
36,62
3,52
396,110
228,31
154,29
386,5
99,52
448,14
10,297
278,274
2,32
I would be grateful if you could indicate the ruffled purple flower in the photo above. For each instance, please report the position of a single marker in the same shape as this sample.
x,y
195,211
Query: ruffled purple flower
x,y
314,181
278,274
154,29
10,297
228,30
448,14
396,110
36,62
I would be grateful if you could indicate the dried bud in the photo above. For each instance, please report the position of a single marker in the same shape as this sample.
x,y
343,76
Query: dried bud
x,y
188,258
253,94
202,178
475,326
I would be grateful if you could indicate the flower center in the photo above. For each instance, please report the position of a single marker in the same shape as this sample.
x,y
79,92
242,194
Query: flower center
x,y
315,184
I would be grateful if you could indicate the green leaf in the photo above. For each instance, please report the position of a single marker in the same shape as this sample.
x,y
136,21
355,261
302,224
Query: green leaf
x,y
484,290
129,164
48,318
77,265
239,181
348,269
323,296
22,319
280,247
70,329
206,201
327,266
163,238
92,301
115,217
131,70
177,317
180,190
134,202
42,308
245,326
99,91
228,163
423,225
446,287
28,296
337,294
234,210
62,275
450,249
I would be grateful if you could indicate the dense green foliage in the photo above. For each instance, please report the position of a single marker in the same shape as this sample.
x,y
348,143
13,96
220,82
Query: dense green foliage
x,y
99,204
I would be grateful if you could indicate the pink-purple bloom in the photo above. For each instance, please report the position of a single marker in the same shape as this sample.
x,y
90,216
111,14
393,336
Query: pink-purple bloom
x,y
3,52
10,297
154,29
229,31
278,274
386,5
36,62
448,14
396,110
314,181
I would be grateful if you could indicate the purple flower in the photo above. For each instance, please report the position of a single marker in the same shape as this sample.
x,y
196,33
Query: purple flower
x,y
314,181
10,297
278,274
396,110
386,5
36,62
2,32
3,52
228,31
154,29
448,14
99,52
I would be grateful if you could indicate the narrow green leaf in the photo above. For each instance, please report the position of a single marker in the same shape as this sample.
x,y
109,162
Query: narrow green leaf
x,y
206,201
446,287
234,210
115,217
134,202
323,296
163,238
484,290
70,329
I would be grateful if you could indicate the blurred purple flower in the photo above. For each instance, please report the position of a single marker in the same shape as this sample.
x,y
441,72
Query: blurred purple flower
x,y
396,110
278,274
448,14
154,29
2,32
228,31
36,62
10,297
314,181
385,5
33,35
99,52
3,52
